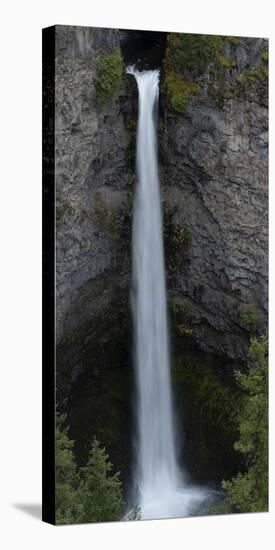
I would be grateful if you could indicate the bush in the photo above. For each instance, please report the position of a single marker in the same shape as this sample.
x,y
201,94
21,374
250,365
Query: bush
x,y
248,492
191,52
180,91
249,316
179,103
108,76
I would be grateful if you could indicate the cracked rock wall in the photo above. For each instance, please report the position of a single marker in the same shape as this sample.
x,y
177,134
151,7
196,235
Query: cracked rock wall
x,y
215,177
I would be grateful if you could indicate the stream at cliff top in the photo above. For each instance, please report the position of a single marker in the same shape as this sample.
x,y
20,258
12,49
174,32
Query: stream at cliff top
x,y
161,487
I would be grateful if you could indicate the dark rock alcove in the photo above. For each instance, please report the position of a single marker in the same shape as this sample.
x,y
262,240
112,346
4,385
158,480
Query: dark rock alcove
x,y
145,49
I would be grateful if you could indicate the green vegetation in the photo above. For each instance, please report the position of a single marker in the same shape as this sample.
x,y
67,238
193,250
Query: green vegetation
x,y
106,218
233,40
189,55
191,52
101,490
180,91
63,209
109,74
179,305
115,223
180,314
240,84
209,400
225,62
178,87
248,492
177,238
258,75
87,494
249,316
69,507
100,404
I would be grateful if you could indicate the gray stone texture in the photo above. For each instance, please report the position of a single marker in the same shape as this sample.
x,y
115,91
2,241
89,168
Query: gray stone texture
x,y
213,166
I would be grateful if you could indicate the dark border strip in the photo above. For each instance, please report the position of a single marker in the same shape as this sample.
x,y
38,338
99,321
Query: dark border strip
x,y
48,283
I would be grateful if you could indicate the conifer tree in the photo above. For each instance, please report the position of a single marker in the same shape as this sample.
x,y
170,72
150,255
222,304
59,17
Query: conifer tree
x,y
68,503
101,490
248,492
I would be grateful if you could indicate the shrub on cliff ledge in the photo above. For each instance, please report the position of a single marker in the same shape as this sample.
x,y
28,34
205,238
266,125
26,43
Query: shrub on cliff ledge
x,y
186,56
179,103
109,72
190,52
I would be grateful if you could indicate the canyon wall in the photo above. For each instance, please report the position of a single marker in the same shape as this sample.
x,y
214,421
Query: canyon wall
x,y
214,155
93,196
213,147
213,165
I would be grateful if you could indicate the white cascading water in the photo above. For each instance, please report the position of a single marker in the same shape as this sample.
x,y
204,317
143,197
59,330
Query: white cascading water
x,y
162,491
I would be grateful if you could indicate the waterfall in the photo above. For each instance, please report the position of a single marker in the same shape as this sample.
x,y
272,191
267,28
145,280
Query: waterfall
x,y
157,466
162,491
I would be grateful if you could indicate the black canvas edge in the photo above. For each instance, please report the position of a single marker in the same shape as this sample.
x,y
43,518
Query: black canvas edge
x,y
48,275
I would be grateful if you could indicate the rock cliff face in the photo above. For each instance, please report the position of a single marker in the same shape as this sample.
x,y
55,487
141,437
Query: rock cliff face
x,y
214,172
93,182
213,164
213,167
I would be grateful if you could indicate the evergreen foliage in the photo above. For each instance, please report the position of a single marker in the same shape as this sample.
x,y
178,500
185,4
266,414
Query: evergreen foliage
x,y
248,492
68,498
84,494
101,491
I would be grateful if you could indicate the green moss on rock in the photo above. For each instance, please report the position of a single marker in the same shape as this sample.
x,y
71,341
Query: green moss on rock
x,y
63,209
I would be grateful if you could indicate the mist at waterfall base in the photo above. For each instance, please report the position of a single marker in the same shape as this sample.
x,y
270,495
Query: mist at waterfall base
x,y
161,487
